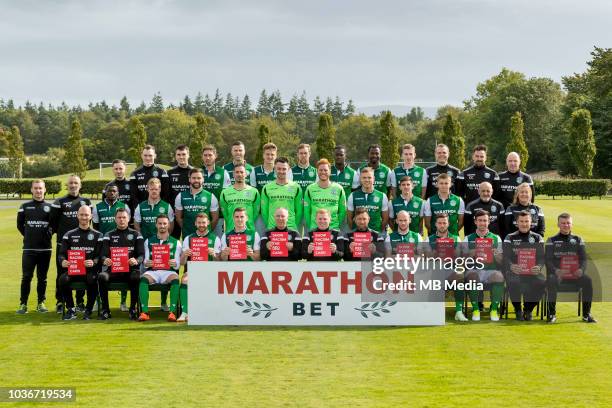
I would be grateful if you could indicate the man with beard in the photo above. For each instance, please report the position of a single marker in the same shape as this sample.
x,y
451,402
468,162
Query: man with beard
x,y
179,179
194,201
469,179
485,203
383,175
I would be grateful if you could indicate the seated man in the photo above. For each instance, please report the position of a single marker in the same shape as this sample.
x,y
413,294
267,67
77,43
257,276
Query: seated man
x,y
310,241
202,223
240,243
524,266
487,246
354,245
566,261
160,272
292,240
403,240
89,241
119,239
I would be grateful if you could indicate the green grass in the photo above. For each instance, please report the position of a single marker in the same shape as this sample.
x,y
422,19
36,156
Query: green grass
x,y
164,365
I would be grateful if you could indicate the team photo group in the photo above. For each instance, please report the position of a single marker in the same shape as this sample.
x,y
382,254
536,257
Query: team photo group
x,y
151,223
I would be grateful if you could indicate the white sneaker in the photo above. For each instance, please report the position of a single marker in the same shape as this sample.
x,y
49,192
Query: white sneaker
x,y
164,307
95,307
476,316
182,317
123,307
460,317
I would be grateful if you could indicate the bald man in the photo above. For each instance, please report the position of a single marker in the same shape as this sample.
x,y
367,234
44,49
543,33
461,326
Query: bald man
x,y
510,179
484,202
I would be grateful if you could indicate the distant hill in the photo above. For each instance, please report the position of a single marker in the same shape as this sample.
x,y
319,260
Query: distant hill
x,y
397,110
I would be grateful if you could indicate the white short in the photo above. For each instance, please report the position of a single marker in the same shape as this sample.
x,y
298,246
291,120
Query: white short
x,y
483,274
260,226
160,276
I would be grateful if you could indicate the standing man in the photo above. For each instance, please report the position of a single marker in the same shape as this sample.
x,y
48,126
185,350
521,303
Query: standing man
x,y
444,202
566,262
264,173
341,172
179,179
194,201
239,195
469,179
441,167
86,239
303,173
122,183
216,178
408,202
63,219
494,208
141,176
146,212
383,175
104,212
510,179
417,174
282,193
34,224
326,195
238,152
374,201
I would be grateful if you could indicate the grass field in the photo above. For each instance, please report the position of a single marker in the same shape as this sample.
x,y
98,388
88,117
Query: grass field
x,y
158,364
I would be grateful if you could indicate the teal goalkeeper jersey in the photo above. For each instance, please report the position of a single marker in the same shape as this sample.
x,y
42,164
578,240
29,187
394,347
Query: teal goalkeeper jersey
x,y
331,198
231,198
288,196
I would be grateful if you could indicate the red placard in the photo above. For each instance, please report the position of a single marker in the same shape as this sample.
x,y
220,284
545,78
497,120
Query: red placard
x,y
76,257
526,259
322,243
160,255
279,240
362,242
199,249
238,247
120,259
405,248
570,263
445,247
484,249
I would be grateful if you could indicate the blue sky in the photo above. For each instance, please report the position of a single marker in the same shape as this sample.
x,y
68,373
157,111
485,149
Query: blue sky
x,y
424,53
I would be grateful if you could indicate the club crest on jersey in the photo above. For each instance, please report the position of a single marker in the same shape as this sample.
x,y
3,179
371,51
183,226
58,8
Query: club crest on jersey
x,y
130,236
415,205
573,241
493,208
204,200
334,193
347,176
376,199
411,240
162,210
453,202
82,203
90,236
532,211
519,180
417,174
217,177
531,240
381,174
450,173
487,175
155,173
127,187
46,208
310,173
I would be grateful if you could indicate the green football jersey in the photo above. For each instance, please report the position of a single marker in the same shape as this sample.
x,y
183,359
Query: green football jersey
x,y
345,178
383,177
375,203
416,173
175,248
216,180
288,196
229,167
248,198
414,207
211,241
496,248
395,238
453,206
252,240
146,215
104,215
330,198
304,176
193,204
260,178
432,240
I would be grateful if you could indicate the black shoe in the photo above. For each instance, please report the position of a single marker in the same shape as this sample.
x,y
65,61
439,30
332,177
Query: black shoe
x,y
589,319
551,319
70,315
80,308
133,314
87,315
519,315
104,315
59,308
527,316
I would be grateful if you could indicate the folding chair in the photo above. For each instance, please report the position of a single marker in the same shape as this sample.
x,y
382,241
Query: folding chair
x,y
564,287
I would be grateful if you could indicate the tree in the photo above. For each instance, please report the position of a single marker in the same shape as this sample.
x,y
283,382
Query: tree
x,y
455,140
318,106
187,106
415,116
16,154
263,104
157,104
389,140
582,142
245,108
138,139
517,140
74,160
350,109
326,138
199,138
124,106
263,133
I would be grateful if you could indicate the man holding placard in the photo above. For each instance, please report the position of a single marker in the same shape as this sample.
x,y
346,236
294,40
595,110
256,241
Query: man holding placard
x,y
280,243
240,243
162,260
323,243
197,247
524,266
79,257
363,241
122,255
402,241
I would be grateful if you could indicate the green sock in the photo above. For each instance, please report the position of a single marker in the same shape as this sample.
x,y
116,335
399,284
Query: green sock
x,y
174,294
183,297
123,296
497,292
473,294
164,296
143,291
459,295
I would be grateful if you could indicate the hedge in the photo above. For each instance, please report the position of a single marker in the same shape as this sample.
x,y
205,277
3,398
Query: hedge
x,y
584,188
24,186
93,187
